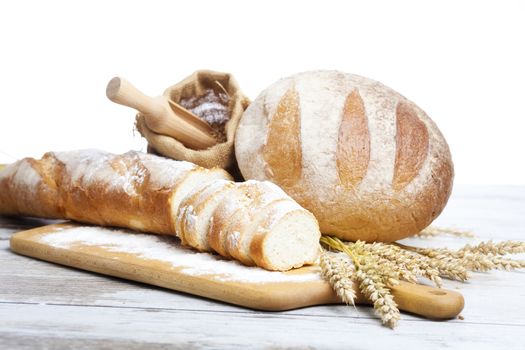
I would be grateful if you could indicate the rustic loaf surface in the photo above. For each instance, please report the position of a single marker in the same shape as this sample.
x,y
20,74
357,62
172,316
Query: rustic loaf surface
x,y
158,195
367,162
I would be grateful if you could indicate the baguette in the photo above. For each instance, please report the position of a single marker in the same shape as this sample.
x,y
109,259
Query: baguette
x,y
204,208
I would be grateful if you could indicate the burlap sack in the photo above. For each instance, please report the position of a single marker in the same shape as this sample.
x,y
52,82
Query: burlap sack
x,y
220,155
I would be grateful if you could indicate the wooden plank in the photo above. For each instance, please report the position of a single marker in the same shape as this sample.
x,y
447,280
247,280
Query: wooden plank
x,y
491,212
32,342
69,325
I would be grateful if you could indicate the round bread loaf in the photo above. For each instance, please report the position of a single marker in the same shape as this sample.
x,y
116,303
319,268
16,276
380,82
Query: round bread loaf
x,y
367,162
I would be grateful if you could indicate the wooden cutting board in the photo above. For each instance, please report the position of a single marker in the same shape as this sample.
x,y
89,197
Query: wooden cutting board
x,y
161,261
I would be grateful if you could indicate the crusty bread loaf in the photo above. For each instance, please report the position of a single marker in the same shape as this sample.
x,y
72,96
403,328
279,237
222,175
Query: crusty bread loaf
x,y
367,162
135,190
157,195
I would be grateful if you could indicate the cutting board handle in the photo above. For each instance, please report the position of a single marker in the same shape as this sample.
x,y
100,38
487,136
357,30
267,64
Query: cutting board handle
x,y
430,302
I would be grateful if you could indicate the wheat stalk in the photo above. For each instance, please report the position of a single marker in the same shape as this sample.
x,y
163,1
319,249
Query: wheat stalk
x,y
411,264
376,288
482,257
432,231
338,270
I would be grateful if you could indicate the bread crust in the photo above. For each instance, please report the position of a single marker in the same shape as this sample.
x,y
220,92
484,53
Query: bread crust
x,y
353,145
249,203
409,172
43,199
284,141
411,145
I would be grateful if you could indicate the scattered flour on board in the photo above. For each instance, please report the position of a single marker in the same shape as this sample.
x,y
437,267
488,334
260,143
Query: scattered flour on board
x,y
168,249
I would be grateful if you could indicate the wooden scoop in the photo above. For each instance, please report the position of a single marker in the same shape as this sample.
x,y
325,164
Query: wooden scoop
x,y
162,115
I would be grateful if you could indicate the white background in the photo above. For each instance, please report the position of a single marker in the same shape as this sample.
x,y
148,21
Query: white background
x,y
461,61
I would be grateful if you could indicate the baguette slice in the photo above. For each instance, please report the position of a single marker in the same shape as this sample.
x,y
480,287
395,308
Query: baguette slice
x,y
193,199
221,219
194,181
196,211
287,237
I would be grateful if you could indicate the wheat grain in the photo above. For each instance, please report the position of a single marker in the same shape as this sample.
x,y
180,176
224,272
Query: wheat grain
x,y
413,264
500,248
339,270
432,231
375,290
485,256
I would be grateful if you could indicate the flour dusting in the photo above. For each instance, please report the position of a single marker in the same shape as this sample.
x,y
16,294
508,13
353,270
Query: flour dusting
x,y
211,106
124,172
168,249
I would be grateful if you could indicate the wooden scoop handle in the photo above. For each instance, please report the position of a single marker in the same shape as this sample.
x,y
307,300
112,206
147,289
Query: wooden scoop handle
x,y
430,302
121,91
160,116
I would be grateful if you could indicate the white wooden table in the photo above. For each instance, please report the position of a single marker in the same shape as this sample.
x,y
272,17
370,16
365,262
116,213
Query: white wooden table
x,y
43,305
